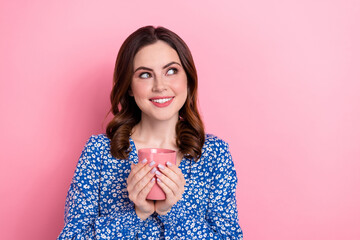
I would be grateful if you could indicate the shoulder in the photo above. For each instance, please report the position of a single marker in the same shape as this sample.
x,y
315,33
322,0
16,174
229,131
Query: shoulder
x,y
213,142
216,155
96,144
215,149
98,140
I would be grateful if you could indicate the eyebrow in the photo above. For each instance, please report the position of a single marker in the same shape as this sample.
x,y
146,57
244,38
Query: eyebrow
x,y
149,69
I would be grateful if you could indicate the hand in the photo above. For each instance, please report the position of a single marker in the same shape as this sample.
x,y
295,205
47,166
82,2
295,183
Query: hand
x,y
172,182
139,183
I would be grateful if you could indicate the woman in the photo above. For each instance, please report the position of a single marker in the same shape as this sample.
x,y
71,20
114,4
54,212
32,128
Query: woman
x,y
155,84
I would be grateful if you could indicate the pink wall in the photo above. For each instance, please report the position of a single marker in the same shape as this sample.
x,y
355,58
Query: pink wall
x,y
279,80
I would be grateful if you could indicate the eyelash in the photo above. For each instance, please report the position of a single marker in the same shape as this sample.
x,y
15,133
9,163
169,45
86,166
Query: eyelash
x,y
174,69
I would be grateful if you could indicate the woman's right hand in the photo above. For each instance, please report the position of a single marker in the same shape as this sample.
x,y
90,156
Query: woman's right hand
x,y
139,183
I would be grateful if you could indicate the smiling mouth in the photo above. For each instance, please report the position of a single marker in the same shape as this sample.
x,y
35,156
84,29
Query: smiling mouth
x,y
161,100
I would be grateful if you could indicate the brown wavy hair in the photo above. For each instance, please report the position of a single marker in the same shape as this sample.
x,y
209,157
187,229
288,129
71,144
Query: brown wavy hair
x,y
190,134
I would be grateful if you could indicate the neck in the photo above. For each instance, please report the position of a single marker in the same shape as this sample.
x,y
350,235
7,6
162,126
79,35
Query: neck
x,y
157,134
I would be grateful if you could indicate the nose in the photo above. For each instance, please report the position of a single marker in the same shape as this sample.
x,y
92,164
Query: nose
x,y
159,84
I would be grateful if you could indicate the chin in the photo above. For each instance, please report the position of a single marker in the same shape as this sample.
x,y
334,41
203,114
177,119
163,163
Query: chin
x,y
162,117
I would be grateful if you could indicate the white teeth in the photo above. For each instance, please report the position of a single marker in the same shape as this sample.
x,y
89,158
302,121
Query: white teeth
x,y
162,100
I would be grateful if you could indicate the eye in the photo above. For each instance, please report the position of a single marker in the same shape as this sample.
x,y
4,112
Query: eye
x,y
145,75
172,71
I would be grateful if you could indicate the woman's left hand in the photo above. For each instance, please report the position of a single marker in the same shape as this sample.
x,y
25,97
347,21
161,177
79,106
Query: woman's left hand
x,y
172,182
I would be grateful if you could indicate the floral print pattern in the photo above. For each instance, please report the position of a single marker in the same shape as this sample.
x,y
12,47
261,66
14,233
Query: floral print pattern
x,y
97,204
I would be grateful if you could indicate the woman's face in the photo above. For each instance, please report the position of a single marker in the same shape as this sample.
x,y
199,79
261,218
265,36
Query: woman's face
x,y
159,82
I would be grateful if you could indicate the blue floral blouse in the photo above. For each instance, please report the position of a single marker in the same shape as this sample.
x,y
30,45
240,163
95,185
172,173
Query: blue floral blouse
x,y
97,204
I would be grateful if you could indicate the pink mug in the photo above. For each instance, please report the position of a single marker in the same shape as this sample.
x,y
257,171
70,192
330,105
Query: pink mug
x,y
159,156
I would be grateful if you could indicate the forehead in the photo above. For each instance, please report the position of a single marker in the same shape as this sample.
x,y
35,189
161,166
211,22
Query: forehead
x,y
155,55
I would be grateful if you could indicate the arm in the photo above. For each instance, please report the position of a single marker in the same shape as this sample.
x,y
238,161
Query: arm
x,y
222,212
82,213
221,218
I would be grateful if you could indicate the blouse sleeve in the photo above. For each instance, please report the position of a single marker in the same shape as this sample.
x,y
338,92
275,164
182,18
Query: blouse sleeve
x,y
82,216
221,217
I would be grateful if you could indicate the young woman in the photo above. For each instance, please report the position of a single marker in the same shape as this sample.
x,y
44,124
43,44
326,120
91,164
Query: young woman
x,y
154,103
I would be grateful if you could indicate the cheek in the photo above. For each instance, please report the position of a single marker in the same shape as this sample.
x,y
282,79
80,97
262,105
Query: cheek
x,y
181,85
138,89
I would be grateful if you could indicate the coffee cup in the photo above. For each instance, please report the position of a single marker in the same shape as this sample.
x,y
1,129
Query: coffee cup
x,y
159,156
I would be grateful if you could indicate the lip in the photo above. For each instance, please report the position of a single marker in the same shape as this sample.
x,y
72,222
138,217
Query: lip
x,y
154,98
161,105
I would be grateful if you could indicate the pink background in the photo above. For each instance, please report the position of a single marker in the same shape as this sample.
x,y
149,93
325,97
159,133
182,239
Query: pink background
x,y
279,80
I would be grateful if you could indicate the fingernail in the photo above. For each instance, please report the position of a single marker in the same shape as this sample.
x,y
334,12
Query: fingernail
x,y
153,170
169,164
144,161
161,166
158,173
152,163
158,180
153,179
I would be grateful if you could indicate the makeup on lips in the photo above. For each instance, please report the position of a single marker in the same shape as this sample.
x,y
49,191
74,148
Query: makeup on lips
x,y
161,101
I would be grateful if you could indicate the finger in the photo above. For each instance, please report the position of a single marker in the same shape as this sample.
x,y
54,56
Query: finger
x,y
140,174
134,189
145,191
174,168
174,173
140,185
136,167
169,183
167,190
177,170
139,171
